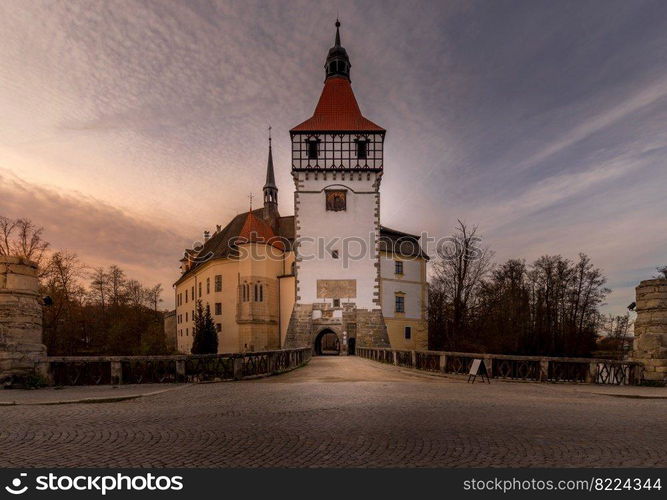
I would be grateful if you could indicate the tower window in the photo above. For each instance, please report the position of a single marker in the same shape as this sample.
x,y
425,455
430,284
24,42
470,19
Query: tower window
x,y
218,308
312,149
336,201
400,304
408,332
218,283
398,267
362,149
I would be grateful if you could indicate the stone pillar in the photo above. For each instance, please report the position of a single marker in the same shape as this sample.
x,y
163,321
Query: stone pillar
x,y
650,343
22,352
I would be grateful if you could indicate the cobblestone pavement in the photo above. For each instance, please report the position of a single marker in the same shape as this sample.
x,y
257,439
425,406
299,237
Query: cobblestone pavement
x,y
62,395
343,412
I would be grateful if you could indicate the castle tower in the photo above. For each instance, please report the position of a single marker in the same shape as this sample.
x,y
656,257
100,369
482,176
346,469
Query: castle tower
x,y
337,168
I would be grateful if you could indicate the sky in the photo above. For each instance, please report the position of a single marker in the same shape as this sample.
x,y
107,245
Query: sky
x,y
130,127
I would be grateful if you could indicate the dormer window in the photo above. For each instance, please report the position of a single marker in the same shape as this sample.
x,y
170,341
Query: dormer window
x,y
312,149
362,149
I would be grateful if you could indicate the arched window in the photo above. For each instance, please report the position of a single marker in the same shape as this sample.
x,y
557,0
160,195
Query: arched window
x,y
261,293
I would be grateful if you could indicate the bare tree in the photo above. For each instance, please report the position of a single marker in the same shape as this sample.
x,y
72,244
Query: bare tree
x,y
117,285
99,287
7,227
22,238
154,296
459,271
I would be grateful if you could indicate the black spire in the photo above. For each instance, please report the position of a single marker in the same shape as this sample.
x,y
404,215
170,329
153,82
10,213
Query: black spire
x,y
338,63
270,188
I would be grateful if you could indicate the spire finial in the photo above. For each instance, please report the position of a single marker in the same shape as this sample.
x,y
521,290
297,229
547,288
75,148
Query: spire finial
x,y
269,136
337,32
250,197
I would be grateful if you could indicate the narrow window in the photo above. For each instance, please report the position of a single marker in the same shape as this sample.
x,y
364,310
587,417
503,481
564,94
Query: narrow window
x,y
208,285
336,302
362,149
261,293
408,332
312,149
398,267
218,308
400,304
199,289
186,296
186,317
218,327
218,283
186,332
193,293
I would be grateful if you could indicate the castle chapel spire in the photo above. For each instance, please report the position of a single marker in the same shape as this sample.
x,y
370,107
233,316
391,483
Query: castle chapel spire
x,y
338,62
270,189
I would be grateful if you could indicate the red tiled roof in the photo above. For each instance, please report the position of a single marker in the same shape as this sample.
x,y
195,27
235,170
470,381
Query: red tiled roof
x,y
337,109
255,230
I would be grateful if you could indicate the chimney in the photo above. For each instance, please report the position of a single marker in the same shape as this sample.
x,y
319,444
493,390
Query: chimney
x,y
207,236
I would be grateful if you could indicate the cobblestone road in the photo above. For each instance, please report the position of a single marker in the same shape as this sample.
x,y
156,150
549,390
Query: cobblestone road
x,y
343,412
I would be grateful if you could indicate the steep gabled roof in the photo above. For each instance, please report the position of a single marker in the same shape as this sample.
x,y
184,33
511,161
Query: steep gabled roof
x,y
337,110
255,230
223,243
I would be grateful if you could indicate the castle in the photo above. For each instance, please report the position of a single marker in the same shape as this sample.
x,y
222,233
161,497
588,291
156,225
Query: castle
x,y
330,276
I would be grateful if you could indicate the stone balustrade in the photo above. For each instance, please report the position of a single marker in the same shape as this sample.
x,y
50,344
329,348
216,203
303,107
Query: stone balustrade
x,y
100,370
534,368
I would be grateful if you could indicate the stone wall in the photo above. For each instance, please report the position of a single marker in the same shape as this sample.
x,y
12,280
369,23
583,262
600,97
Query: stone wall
x,y
367,327
21,350
650,343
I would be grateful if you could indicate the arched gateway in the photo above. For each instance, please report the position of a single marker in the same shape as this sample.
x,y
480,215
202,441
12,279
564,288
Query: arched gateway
x,y
327,343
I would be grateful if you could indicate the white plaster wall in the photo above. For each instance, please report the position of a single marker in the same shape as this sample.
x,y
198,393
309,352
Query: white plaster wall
x,y
413,300
316,227
411,268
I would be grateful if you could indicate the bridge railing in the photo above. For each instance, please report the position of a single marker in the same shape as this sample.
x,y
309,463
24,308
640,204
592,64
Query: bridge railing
x,y
501,366
100,370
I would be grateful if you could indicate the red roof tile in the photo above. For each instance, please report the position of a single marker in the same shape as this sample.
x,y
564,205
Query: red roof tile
x,y
255,230
337,109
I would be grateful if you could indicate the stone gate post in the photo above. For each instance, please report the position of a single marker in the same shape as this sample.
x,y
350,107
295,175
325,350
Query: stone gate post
x,y
22,352
650,343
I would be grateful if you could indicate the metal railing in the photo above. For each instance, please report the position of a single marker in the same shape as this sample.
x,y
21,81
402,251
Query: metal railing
x,y
100,370
501,366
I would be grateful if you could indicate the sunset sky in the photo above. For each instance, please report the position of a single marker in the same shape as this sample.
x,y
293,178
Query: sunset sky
x,y
129,127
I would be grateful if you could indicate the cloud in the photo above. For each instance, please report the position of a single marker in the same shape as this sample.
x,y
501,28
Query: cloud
x,y
548,133
99,233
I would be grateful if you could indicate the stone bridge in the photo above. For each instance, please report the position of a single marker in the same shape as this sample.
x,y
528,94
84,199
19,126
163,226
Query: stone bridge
x,y
342,411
